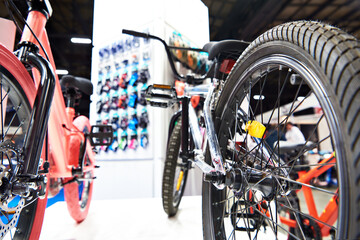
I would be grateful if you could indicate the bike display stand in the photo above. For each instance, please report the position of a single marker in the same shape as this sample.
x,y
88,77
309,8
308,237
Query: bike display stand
x,y
114,54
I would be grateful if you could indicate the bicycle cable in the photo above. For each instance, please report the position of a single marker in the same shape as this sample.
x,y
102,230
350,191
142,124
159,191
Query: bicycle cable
x,y
12,16
17,11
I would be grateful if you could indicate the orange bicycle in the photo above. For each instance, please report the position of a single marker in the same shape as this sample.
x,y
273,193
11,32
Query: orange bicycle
x,y
44,145
318,225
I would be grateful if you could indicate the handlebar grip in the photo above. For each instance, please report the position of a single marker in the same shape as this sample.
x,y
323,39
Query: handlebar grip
x,y
136,34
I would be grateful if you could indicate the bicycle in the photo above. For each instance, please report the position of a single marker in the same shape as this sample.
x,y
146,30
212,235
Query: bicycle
x,y
252,188
180,151
44,145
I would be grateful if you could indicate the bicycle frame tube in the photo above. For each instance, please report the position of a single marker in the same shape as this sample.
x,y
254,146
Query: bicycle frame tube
x,y
59,137
201,90
211,135
185,127
189,119
40,114
330,213
194,127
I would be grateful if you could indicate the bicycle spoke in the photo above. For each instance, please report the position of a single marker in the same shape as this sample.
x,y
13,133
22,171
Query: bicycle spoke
x,y
278,225
12,119
307,185
17,129
2,111
275,84
311,217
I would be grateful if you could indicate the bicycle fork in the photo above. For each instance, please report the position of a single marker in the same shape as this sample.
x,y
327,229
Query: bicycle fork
x,y
38,122
164,96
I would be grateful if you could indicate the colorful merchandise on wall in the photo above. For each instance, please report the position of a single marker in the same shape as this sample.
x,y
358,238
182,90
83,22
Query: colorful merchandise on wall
x,y
196,61
123,76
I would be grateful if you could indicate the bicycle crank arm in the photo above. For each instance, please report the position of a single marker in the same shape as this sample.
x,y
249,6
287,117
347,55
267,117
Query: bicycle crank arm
x,y
200,163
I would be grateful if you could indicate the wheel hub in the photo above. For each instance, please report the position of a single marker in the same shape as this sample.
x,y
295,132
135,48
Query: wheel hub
x,y
12,192
240,180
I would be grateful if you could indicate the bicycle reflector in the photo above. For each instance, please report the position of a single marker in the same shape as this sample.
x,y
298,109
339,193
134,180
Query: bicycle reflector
x,y
255,128
227,65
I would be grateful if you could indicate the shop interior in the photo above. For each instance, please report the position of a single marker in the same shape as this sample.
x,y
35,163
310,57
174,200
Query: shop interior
x,y
126,200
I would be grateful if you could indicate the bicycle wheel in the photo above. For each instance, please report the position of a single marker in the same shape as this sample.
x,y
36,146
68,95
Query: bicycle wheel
x,y
306,73
175,173
78,193
21,216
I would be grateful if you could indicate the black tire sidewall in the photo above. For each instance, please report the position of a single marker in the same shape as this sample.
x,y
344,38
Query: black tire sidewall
x,y
348,174
170,172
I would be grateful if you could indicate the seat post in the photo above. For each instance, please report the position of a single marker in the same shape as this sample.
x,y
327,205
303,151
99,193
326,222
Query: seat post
x,y
70,113
70,95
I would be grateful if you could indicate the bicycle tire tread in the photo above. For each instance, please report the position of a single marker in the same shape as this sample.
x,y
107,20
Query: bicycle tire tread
x,y
324,43
169,171
71,190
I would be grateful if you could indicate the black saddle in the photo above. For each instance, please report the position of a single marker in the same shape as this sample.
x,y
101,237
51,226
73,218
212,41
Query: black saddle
x,y
217,49
82,84
296,148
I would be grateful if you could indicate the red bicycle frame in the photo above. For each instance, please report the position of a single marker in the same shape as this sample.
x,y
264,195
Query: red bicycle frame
x,y
65,135
60,137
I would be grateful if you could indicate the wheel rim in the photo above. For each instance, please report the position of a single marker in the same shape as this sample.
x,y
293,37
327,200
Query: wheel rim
x,y
14,119
253,82
179,181
84,190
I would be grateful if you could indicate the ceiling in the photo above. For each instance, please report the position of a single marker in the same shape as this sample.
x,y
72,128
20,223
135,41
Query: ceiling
x,y
228,19
247,19
71,18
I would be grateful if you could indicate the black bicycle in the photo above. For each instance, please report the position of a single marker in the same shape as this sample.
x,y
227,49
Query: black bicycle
x,y
304,72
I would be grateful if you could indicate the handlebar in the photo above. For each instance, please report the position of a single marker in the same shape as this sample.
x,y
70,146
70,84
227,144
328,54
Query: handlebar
x,y
136,34
188,78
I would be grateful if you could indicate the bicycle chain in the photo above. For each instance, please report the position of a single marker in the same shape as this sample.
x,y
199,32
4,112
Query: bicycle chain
x,y
8,144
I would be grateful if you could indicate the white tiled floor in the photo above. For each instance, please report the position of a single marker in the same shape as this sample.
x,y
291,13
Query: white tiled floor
x,y
128,219
138,219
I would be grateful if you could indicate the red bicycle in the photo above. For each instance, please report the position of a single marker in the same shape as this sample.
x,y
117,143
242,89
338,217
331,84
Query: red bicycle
x,y
44,146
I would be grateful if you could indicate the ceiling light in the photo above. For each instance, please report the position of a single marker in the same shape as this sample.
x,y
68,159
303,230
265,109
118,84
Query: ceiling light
x,y
80,40
61,71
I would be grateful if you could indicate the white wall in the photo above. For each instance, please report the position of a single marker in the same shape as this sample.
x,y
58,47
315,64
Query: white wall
x,y
129,178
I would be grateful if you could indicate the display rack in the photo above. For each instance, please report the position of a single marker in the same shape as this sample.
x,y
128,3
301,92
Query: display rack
x,y
136,170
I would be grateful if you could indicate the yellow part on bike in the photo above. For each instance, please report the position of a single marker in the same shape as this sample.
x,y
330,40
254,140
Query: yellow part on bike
x,y
181,174
162,86
255,128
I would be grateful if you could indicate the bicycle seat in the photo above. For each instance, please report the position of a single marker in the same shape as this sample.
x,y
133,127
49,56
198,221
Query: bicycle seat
x,y
294,149
79,83
216,48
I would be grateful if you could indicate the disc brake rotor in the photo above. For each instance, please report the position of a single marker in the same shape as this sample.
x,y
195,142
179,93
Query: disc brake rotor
x,y
10,206
10,212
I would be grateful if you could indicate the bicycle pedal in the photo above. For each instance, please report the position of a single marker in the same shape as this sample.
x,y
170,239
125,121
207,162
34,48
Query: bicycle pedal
x,y
101,135
159,95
